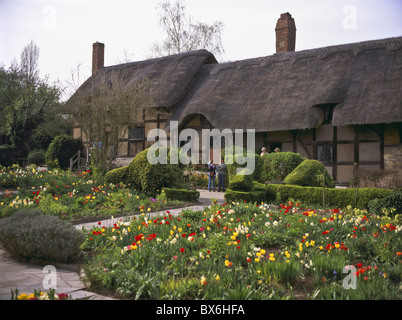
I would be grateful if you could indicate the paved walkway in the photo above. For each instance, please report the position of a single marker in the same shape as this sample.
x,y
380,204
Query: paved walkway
x,y
28,277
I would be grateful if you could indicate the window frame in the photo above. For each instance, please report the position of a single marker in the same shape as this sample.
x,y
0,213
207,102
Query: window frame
x,y
136,136
323,159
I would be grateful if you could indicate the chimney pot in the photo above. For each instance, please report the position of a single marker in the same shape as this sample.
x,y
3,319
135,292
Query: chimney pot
x,y
98,56
285,33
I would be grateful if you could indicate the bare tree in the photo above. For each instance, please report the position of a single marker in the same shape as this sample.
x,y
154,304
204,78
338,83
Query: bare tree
x,y
105,113
71,85
183,35
29,61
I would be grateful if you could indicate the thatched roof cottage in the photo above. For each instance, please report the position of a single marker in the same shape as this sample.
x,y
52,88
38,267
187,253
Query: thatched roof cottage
x,y
340,104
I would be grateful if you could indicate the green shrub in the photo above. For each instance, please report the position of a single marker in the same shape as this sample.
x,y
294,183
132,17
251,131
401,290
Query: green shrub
x,y
258,193
232,151
307,174
251,196
62,148
340,198
8,180
182,194
28,234
150,178
37,157
233,165
241,183
277,165
116,176
7,155
392,204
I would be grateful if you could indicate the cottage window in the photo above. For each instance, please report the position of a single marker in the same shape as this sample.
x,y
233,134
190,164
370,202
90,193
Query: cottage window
x,y
328,112
325,153
136,133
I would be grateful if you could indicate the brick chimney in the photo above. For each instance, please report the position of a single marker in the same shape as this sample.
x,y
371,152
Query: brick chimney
x,y
98,56
285,33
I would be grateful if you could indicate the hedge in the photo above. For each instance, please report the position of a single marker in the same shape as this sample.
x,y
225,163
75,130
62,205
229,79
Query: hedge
x,y
182,194
252,196
259,193
334,197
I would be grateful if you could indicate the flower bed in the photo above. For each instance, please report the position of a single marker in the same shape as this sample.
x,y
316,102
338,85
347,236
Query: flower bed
x,y
248,251
70,196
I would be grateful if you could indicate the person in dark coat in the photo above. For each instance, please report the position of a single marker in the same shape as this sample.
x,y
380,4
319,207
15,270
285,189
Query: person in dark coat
x,y
211,176
222,169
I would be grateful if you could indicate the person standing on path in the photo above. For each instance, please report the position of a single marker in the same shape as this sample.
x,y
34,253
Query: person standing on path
x,y
221,175
211,176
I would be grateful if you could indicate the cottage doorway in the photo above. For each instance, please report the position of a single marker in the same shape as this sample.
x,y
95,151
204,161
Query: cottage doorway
x,y
274,145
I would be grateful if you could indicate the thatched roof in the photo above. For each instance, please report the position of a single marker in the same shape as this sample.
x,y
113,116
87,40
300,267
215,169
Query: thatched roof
x,y
282,91
169,77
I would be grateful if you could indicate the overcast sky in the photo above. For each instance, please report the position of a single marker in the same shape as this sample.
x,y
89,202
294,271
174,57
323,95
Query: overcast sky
x,y
64,30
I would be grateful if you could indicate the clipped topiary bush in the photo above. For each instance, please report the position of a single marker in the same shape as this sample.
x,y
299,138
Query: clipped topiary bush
x,y
116,176
277,165
307,174
233,165
150,178
62,148
241,183
28,234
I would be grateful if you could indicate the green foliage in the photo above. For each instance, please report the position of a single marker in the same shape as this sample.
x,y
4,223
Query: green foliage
x,y
181,194
277,165
62,148
251,196
391,204
234,166
36,157
233,150
307,174
241,183
151,178
257,192
116,176
28,234
30,109
340,198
